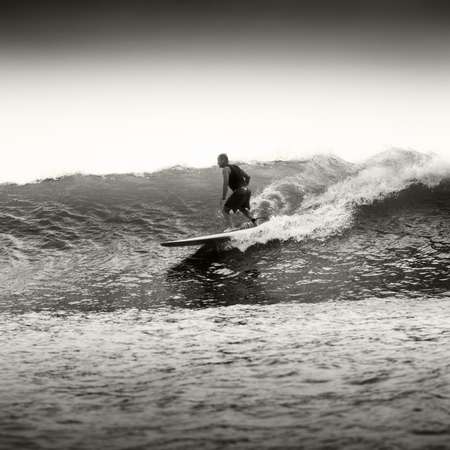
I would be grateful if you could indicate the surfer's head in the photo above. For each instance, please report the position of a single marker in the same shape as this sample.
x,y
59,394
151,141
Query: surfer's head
x,y
222,160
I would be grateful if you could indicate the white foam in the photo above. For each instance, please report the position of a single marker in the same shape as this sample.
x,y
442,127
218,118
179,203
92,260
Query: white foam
x,y
321,215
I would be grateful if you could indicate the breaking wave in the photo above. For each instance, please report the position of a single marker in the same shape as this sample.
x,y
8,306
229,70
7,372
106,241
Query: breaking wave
x,y
305,199
336,230
319,214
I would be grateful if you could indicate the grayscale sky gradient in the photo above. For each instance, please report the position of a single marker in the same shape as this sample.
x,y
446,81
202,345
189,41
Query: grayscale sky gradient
x,y
134,86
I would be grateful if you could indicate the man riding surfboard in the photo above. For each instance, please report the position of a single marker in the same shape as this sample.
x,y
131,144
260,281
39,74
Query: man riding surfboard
x,y
237,180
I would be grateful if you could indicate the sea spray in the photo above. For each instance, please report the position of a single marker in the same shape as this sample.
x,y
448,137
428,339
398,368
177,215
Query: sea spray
x,y
322,214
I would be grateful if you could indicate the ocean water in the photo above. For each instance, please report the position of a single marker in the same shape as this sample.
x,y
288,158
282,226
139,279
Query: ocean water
x,y
327,327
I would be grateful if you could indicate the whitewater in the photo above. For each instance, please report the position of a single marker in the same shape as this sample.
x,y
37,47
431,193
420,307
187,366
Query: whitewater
x,y
326,327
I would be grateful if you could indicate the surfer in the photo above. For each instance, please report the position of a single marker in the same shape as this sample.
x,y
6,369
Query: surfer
x,y
237,180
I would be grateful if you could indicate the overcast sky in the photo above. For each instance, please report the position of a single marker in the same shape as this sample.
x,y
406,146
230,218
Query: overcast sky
x,y
114,87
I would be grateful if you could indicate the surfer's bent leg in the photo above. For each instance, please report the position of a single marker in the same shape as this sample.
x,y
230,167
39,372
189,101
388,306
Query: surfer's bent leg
x,y
245,205
239,200
247,214
227,214
230,207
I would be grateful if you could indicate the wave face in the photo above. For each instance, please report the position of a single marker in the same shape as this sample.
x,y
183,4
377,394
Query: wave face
x,y
336,230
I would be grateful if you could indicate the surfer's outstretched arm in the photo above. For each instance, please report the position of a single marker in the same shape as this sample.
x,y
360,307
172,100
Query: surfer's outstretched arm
x,y
225,211
226,176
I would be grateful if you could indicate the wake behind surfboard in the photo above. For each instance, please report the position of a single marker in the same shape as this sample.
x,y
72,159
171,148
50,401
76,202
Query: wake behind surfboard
x,y
210,238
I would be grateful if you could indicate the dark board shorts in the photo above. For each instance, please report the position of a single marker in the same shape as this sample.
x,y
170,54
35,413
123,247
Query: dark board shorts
x,y
239,199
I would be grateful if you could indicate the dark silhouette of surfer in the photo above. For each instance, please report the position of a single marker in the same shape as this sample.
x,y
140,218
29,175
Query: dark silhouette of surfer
x,y
237,180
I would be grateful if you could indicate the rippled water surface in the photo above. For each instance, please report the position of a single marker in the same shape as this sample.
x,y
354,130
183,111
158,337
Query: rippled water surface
x,y
372,374
329,328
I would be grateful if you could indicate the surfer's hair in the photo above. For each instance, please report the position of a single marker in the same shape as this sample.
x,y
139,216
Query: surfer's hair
x,y
223,157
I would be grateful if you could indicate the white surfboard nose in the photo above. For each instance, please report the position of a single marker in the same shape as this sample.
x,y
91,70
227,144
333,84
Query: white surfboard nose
x,y
200,240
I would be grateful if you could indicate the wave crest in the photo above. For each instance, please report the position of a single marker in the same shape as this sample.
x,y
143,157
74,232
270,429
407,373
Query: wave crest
x,y
319,215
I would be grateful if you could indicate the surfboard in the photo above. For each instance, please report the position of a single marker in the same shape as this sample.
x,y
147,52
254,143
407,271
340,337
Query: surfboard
x,y
209,238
